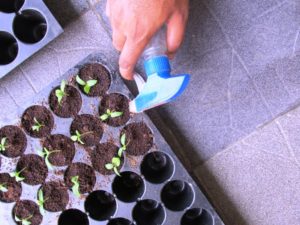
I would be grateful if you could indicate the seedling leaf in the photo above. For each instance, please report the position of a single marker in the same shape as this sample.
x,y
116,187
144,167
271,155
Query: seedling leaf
x,y
109,113
87,89
24,221
80,81
45,153
109,166
116,171
60,93
104,117
41,201
3,188
123,143
3,144
17,176
123,139
75,187
77,137
91,83
116,114
37,125
115,163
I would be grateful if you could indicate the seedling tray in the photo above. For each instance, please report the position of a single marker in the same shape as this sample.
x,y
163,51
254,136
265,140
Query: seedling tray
x,y
26,27
139,196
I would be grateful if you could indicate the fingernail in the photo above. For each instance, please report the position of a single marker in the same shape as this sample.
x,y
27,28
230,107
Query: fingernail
x,y
126,73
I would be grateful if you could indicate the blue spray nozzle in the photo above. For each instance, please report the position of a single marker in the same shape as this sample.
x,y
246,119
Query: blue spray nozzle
x,y
161,87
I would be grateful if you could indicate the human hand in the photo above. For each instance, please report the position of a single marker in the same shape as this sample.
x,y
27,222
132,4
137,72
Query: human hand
x,y
134,23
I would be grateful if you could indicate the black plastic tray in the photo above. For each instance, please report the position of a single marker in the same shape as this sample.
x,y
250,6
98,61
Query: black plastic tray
x,y
131,163
21,39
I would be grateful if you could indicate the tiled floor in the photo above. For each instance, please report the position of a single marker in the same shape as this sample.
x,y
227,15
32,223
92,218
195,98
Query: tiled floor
x,y
239,121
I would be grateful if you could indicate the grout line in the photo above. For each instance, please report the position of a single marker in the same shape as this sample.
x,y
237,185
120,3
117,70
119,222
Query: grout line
x,y
271,9
27,78
11,96
295,42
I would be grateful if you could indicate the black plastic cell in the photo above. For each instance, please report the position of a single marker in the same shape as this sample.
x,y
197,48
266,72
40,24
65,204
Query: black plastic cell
x,y
8,48
73,217
148,212
100,205
197,216
30,26
128,187
119,221
177,195
11,6
157,167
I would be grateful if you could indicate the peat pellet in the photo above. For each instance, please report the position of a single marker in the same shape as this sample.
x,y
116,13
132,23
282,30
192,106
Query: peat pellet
x,y
56,196
10,190
115,103
15,141
139,138
62,148
37,121
86,174
97,72
70,104
34,169
89,127
103,154
24,209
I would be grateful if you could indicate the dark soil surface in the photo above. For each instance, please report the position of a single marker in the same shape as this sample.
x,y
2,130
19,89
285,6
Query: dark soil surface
x,y
35,171
57,196
87,177
14,189
96,72
139,138
26,208
103,154
42,115
64,145
16,141
70,104
115,103
90,128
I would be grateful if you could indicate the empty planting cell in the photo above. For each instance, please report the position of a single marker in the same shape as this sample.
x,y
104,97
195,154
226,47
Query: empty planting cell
x,y
157,167
148,212
100,205
128,187
11,6
73,217
177,195
119,221
8,48
197,216
30,26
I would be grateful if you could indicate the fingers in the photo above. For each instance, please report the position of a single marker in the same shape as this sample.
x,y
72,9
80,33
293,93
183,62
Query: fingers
x,y
118,39
130,54
175,33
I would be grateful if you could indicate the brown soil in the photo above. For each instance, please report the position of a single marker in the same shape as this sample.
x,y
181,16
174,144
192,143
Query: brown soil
x,y
16,141
70,104
96,72
139,138
102,154
86,175
65,146
56,195
117,103
35,171
14,189
42,115
26,208
90,128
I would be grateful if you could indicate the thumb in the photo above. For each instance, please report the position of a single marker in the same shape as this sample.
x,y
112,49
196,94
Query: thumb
x,y
175,32
130,54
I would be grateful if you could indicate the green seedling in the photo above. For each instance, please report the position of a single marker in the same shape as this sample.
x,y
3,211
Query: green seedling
x,y
3,145
123,145
17,176
45,153
110,114
78,136
41,201
60,93
37,125
86,84
75,187
115,163
24,221
3,187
